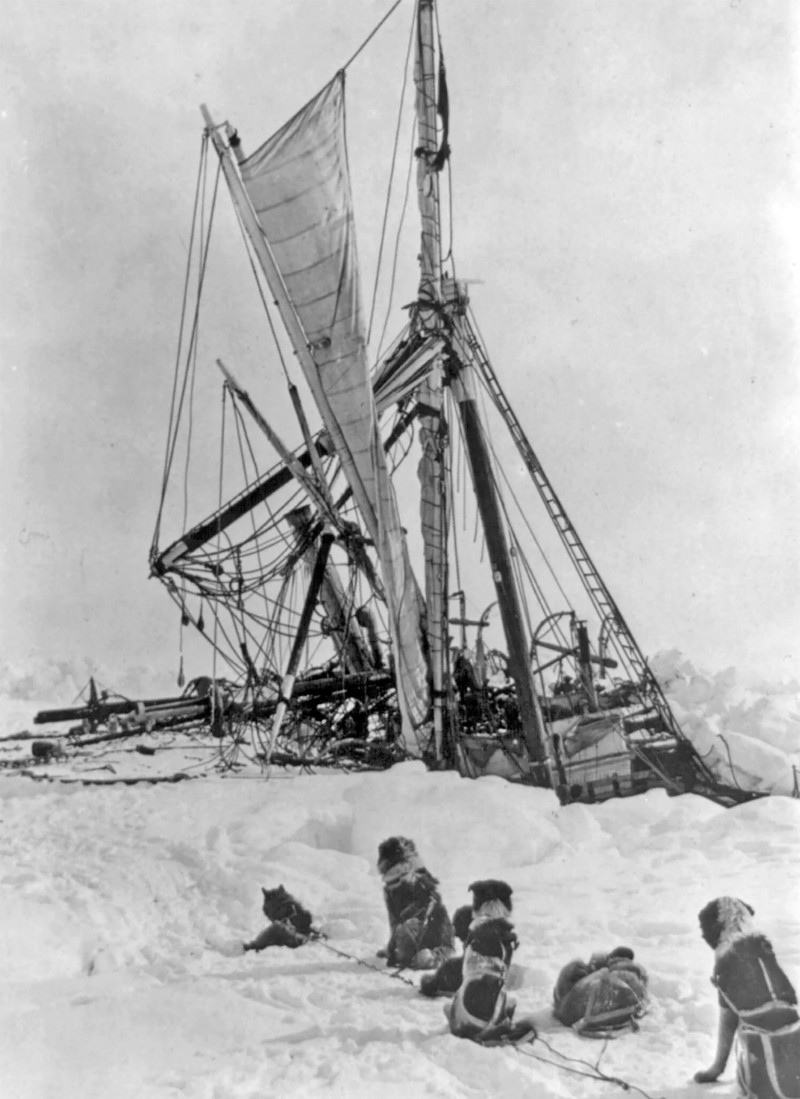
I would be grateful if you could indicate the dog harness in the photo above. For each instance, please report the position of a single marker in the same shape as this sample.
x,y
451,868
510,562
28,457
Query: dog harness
x,y
462,1021
601,996
754,987
768,1062
752,984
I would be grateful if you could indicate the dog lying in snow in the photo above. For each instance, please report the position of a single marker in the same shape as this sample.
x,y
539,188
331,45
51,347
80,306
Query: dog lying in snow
x,y
489,898
604,994
290,923
420,931
757,1002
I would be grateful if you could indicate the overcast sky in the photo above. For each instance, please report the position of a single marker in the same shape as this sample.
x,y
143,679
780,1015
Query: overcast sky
x,y
625,189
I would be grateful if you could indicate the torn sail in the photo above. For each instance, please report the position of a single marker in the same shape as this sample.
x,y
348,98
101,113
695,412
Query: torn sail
x,y
299,187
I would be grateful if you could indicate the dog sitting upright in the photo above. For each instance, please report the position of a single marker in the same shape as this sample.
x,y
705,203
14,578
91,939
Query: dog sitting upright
x,y
758,1005
447,977
489,898
290,923
481,1009
420,931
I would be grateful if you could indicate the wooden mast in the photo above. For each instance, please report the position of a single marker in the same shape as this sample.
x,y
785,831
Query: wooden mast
x,y
429,319
494,528
440,310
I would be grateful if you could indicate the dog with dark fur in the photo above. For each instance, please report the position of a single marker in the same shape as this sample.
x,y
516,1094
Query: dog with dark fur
x,y
481,1009
757,1005
489,898
602,995
447,977
290,923
420,931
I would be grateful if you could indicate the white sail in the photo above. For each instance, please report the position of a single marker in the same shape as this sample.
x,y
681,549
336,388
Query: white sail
x,y
299,187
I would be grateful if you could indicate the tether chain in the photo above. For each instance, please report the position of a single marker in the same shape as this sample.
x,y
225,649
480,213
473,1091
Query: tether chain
x,y
395,974
595,1072
322,940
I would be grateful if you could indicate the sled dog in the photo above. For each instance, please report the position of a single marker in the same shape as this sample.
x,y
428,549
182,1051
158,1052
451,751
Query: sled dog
x,y
757,1005
420,931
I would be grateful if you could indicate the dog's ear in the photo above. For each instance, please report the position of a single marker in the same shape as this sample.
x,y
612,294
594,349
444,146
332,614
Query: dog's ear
x,y
710,925
263,890
462,918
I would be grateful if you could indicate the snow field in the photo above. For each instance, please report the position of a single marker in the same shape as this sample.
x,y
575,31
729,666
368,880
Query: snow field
x,y
124,908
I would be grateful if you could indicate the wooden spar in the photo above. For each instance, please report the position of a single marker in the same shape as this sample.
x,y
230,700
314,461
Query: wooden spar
x,y
565,650
244,503
585,664
317,492
299,412
429,395
346,631
508,597
288,315
287,684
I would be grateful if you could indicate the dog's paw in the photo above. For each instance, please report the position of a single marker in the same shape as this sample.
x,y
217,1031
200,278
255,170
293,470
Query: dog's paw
x,y
429,985
382,953
706,1076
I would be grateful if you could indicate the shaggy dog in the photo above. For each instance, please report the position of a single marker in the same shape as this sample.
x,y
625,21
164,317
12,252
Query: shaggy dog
x,y
489,898
601,995
447,978
290,923
757,1002
420,931
481,1009
462,918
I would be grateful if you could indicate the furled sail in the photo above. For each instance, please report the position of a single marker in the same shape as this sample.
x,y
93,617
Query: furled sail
x,y
299,187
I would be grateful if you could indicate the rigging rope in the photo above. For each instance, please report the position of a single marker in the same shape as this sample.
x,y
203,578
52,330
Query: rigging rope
x,y
195,325
178,354
501,466
448,255
411,162
257,277
370,36
191,365
389,188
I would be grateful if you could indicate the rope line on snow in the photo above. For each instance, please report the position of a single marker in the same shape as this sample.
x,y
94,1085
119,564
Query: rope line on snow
x,y
396,974
594,1073
322,941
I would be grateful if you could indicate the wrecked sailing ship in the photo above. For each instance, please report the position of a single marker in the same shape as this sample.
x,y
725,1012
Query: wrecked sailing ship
x,y
326,646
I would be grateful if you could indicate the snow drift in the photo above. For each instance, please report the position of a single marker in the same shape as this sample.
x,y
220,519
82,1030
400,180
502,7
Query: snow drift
x,y
124,909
